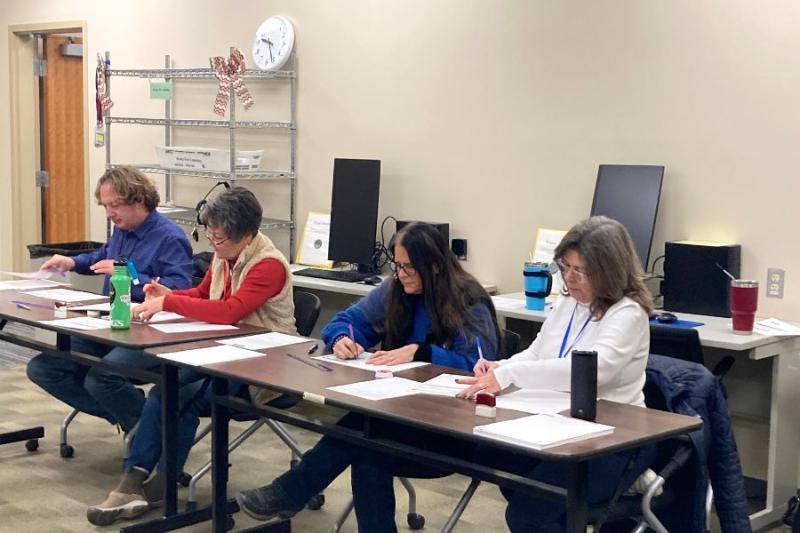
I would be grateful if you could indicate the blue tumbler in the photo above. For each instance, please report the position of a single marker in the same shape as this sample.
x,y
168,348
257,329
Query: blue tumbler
x,y
538,282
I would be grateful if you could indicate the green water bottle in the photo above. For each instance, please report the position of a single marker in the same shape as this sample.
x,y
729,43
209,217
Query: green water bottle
x,y
119,291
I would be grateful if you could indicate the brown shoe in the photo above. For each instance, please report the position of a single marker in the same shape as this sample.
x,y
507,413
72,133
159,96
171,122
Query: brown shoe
x,y
117,505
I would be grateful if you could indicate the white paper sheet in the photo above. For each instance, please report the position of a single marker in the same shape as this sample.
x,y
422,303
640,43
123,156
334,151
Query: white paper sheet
x,y
535,401
378,389
264,341
542,431
163,316
104,307
36,274
66,295
313,249
775,327
211,355
27,284
508,303
361,362
188,327
81,322
441,385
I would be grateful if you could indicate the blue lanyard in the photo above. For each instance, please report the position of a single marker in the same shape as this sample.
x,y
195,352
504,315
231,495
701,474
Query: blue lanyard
x,y
563,351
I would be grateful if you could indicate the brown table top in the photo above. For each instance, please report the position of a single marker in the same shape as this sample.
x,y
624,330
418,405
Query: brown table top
x,y
140,335
634,425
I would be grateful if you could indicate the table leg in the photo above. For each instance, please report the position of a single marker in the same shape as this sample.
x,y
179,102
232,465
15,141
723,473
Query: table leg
x,y
219,457
169,436
577,507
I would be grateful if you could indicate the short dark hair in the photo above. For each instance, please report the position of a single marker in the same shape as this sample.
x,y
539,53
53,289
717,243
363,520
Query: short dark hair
x,y
612,265
235,211
130,185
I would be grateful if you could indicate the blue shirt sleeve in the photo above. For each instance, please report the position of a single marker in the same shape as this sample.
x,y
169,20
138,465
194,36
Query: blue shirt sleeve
x,y
462,353
84,261
361,316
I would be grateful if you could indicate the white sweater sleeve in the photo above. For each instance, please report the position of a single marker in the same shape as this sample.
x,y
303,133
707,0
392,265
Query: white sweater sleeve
x,y
617,339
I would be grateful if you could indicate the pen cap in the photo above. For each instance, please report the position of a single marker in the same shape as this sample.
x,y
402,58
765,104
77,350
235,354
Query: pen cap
x,y
583,390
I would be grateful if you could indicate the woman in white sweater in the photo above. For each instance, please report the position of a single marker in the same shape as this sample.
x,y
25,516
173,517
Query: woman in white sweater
x,y
604,307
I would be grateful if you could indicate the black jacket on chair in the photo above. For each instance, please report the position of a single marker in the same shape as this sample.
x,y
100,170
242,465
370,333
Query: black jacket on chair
x,y
690,389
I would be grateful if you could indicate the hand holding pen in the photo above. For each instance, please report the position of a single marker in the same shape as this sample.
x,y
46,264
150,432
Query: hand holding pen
x,y
482,366
154,289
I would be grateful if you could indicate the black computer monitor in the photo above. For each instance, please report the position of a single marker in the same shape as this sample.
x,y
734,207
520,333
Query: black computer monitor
x,y
630,194
354,211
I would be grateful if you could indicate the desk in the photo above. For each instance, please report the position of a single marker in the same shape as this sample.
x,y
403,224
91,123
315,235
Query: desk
x,y
635,426
784,424
139,336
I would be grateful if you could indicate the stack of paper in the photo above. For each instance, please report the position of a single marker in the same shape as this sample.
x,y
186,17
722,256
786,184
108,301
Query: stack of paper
x,y
542,431
776,328
535,401
27,284
263,341
85,323
65,295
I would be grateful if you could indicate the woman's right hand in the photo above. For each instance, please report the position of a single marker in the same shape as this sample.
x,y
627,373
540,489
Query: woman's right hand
x,y
347,348
155,290
483,366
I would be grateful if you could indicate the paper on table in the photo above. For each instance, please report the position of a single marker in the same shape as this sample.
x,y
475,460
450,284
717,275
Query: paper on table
x,y
441,385
535,401
27,284
163,316
508,303
263,341
361,362
208,356
776,328
378,389
36,274
102,307
542,431
66,295
187,327
81,322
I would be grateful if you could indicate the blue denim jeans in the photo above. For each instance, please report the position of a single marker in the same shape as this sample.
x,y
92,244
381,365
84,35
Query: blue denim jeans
x,y
194,401
92,390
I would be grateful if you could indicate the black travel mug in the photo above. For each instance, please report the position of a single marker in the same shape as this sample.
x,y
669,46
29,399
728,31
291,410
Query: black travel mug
x,y
583,396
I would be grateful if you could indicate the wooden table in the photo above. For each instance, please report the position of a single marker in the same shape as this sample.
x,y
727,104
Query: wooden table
x,y
140,336
635,426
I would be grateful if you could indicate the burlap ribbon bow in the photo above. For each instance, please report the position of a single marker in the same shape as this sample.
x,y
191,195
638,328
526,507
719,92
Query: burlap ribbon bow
x,y
229,71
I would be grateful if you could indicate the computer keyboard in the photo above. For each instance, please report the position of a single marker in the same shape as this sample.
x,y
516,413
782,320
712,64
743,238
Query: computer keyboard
x,y
335,275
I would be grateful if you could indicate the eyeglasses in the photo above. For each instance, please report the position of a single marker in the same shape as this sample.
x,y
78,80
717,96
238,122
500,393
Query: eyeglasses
x,y
215,241
579,274
408,268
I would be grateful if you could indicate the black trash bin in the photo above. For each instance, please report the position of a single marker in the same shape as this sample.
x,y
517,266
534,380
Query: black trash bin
x,y
40,253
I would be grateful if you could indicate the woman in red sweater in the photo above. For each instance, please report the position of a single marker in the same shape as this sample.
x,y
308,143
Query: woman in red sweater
x,y
248,281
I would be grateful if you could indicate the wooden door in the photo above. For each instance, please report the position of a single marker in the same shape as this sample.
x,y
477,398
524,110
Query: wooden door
x,y
62,134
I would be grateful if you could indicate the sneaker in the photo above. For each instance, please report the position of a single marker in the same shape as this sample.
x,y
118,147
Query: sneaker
x,y
117,505
264,503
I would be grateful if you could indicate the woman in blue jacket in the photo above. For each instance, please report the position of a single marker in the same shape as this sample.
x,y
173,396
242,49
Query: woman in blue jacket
x,y
430,310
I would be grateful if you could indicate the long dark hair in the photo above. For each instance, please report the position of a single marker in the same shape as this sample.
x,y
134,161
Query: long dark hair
x,y
448,290
612,266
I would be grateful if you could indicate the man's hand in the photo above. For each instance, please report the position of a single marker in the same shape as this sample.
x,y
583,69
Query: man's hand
x,y
104,266
60,263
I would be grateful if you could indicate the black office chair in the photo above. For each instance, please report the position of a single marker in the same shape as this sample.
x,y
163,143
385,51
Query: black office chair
x,y
509,345
684,343
307,308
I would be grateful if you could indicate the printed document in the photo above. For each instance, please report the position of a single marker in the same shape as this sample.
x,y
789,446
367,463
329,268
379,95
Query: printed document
x,y
361,362
81,322
776,328
28,284
441,385
263,341
66,295
542,431
36,274
535,401
378,389
209,356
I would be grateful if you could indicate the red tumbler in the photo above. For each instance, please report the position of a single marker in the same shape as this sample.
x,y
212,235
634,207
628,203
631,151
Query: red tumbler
x,y
744,302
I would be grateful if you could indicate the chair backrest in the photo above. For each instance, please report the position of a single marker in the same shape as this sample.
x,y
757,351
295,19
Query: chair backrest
x,y
306,311
510,343
200,263
679,343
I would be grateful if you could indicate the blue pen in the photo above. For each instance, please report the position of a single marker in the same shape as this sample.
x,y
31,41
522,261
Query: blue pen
x,y
478,343
350,329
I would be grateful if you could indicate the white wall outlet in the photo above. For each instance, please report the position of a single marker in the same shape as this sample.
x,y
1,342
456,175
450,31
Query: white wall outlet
x,y
775,279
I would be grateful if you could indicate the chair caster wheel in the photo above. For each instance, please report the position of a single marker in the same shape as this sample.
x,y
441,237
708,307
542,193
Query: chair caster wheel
x,y
316,502
184,479
415,521
32,445
191,506
66,451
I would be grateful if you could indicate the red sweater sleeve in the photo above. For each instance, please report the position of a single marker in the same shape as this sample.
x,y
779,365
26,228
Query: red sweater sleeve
x,y
201,291
263,281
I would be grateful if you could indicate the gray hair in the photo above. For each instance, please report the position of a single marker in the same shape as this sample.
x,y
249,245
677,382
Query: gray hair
x,y
612,265
235,211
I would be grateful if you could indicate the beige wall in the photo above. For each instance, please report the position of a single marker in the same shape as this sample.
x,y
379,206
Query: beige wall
x,y
493,116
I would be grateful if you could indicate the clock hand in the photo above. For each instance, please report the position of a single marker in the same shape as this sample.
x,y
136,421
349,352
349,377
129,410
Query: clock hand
x,y
269,47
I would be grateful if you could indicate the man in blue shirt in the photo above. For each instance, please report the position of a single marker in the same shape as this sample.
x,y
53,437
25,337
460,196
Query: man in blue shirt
x,y
158,248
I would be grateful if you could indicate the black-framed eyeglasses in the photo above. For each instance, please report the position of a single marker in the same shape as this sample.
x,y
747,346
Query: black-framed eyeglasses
x,y
408,268
215,242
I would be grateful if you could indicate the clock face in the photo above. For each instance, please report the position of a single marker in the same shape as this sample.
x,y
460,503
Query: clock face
x,y
273,43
